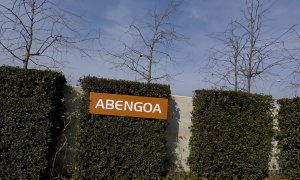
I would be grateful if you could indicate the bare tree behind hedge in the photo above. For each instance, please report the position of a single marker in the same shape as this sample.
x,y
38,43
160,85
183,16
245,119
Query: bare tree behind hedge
x,y
37,31
248,53
150,45
224,64
293,55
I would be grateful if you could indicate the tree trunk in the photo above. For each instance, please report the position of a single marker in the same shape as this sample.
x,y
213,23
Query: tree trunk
x,y
249,84
26,60
249,74
149,73
25,64
150,65
235,74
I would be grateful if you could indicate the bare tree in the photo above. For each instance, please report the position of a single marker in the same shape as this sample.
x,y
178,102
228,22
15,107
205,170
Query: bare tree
x,y
150,45
224,64
257,54
36,31
251,54
292,54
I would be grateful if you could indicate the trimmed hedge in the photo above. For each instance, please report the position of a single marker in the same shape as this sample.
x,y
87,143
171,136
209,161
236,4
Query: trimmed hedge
x,y
30,114
289,139
114,147
231,135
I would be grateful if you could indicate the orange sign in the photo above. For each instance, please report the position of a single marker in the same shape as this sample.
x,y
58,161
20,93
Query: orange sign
x,y
125,105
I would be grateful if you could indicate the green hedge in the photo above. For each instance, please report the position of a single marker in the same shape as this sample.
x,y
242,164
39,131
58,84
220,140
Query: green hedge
x,y
30,116
112,147
231,135
289,139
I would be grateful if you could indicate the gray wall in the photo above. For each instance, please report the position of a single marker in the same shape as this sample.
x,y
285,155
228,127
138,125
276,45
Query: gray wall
x,y
178,132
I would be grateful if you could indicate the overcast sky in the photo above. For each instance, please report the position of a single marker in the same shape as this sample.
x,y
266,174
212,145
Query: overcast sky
x,y
196,20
